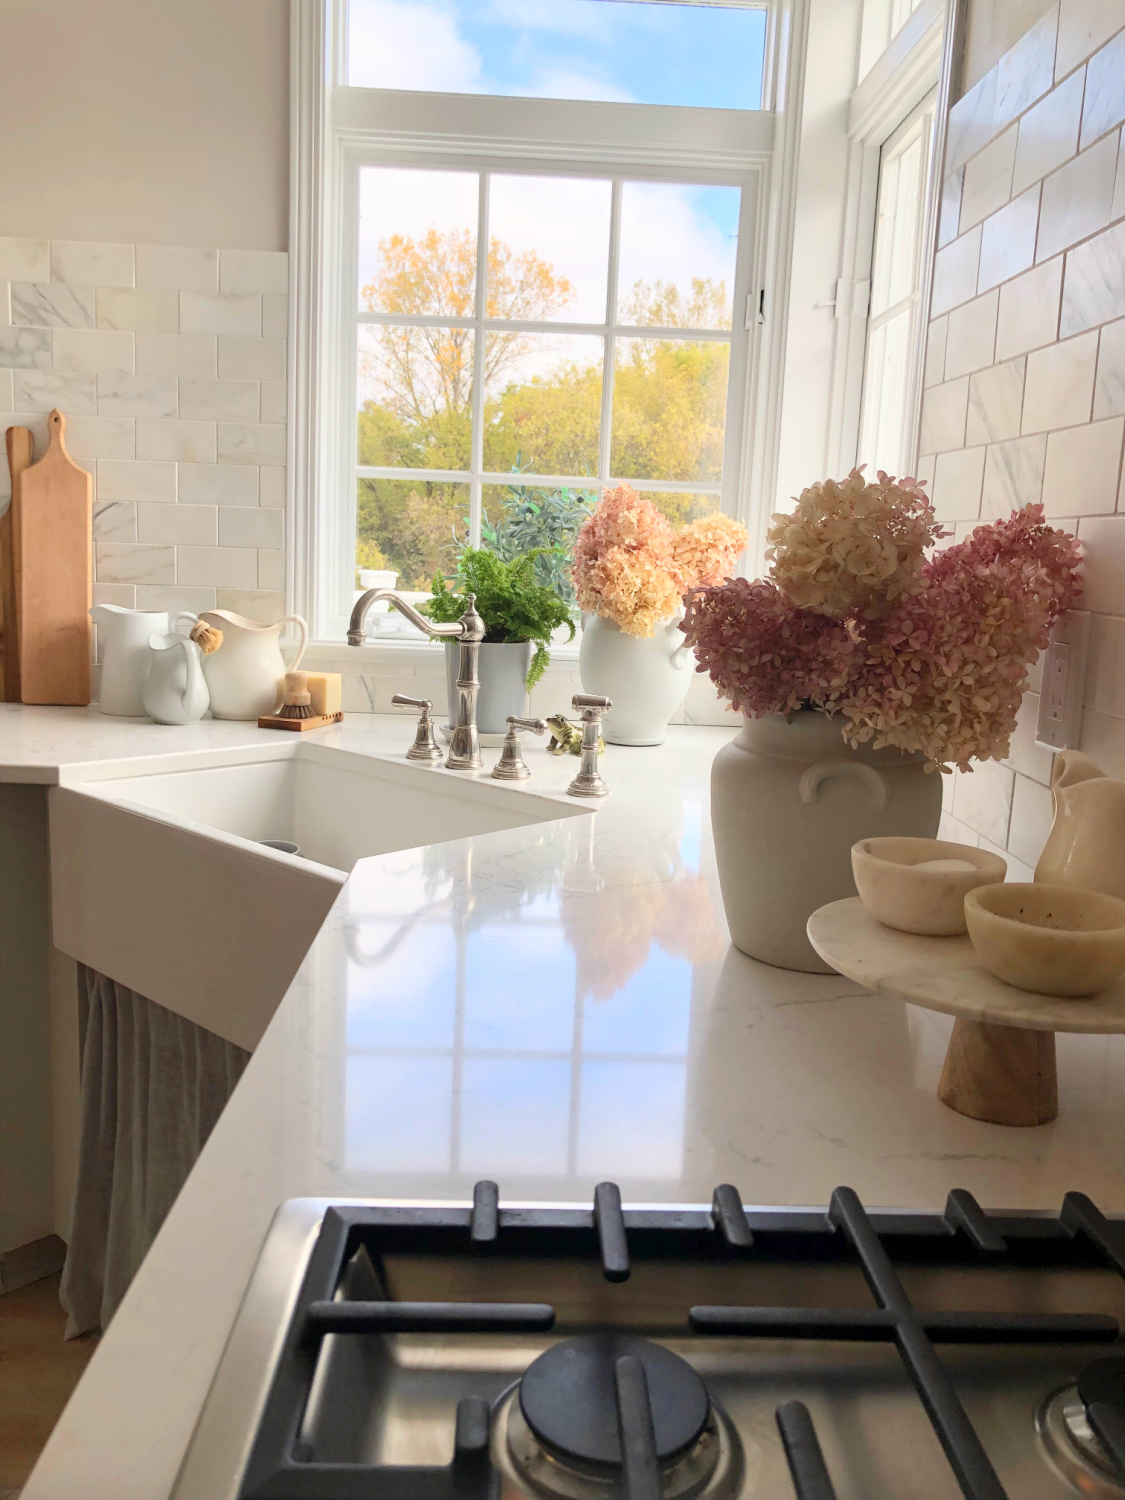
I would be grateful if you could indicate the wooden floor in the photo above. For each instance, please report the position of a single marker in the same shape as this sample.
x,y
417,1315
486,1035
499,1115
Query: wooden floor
x,y
38,1371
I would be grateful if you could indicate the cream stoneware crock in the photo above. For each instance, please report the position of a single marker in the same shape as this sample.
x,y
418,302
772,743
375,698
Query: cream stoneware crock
x,y
246,675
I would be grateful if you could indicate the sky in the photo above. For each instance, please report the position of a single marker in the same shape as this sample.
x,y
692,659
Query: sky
x,y
616,50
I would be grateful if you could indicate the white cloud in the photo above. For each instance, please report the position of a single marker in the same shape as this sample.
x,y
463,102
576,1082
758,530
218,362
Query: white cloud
x,y
563,17
408,44
667,236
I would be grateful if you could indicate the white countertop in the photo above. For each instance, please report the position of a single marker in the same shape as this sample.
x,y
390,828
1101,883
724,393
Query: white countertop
x,y
549,1007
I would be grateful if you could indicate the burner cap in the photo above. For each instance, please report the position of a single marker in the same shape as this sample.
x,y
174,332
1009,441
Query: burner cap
x,y
568,1397
1103,1380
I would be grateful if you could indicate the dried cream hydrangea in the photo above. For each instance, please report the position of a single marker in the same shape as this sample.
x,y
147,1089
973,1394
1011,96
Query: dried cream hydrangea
x,y
707,550
852,547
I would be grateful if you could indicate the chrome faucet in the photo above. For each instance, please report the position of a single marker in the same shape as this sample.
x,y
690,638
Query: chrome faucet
x,y
464,747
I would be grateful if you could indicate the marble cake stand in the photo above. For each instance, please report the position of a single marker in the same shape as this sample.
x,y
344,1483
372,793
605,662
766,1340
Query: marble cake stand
x,y
1000,1065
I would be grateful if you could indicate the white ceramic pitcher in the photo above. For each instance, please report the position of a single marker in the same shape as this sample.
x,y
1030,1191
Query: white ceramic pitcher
x,y
174,691
245,676
123,637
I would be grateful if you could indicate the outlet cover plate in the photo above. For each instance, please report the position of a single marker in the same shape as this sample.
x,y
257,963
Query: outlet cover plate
x,y
1059,725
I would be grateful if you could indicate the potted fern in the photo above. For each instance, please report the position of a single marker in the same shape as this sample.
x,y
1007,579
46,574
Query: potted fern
x,y
519,615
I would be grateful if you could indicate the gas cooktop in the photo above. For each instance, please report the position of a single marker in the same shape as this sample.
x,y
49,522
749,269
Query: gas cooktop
x,y
729,1353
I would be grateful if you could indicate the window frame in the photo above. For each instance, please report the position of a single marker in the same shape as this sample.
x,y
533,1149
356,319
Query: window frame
x,y
337,129
920,120
897,83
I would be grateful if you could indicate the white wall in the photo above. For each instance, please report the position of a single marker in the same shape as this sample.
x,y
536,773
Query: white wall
x,y
1025,360
146,121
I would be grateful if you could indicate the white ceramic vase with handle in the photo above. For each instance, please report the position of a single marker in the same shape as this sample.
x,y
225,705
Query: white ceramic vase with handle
x,y
246,675
123,637
789,798
645,677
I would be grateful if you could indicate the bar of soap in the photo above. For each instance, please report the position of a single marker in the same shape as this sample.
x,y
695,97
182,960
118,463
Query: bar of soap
x,y
938,866
326,692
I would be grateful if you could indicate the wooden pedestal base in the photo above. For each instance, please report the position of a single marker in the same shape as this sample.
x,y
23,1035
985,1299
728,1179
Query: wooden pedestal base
x,y
1002,1074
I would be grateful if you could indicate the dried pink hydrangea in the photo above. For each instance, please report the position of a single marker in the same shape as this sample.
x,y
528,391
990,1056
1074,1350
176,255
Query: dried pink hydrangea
x,y
764,654
941,674
852,546
630,566
945,672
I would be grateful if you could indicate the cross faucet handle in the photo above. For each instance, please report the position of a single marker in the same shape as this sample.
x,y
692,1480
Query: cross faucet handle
x,y
590,701
424,747
588,782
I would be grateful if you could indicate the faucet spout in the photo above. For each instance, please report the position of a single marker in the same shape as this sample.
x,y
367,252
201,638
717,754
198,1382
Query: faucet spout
x,y
464,747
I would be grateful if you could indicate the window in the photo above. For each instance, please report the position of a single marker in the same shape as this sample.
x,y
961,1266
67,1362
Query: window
x,y
511,292
893,328
590,345
613,50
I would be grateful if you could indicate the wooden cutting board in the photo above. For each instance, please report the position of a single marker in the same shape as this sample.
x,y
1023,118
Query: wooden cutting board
x,y
54,550
18,444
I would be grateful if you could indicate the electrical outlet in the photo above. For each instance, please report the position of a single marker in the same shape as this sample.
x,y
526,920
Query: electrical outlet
x,y
1064,681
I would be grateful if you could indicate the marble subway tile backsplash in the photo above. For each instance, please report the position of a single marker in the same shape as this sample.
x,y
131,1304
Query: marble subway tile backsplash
x,y
169,363
1041,223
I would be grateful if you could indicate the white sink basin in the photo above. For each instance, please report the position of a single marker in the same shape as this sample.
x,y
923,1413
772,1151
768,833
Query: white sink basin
x,y
336,805
159,881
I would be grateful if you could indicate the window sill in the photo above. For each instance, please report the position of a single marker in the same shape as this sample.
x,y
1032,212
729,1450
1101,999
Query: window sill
x,y
338,654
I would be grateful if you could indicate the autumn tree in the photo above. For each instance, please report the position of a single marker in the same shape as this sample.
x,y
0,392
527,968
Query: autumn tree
x,y
668,407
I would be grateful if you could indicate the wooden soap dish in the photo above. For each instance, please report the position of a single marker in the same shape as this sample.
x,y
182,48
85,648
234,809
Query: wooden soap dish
x,y
318,721
296,711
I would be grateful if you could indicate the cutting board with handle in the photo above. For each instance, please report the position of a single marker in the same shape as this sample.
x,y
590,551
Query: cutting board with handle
x,y
54,546
18,443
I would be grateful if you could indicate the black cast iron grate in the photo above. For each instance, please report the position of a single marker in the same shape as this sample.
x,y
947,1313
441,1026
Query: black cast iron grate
x,y
280,1468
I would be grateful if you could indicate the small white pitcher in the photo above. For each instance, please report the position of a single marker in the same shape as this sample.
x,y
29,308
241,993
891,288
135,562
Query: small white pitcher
x,y
174,691
123,637
246,675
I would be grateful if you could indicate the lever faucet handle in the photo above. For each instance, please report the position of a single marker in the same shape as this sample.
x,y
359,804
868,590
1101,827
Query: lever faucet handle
x,y
511,766
424,747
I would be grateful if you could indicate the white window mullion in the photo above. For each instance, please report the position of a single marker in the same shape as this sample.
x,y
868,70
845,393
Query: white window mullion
x,y
476,461
606,433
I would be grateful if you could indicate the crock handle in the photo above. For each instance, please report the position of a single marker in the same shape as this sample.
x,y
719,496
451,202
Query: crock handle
x,y
875,783
303,632
683,650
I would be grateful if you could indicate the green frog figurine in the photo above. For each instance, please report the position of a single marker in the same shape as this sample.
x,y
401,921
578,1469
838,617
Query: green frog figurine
x,y
566,738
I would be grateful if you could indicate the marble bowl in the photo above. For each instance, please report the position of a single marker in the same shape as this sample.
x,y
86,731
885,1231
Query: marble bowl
x,y
1051,939
920,885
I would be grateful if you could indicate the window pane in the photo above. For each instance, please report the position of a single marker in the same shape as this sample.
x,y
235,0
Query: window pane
x,y
567,49
901,183
409,526
417,241
518,517
549,254
884,394
414,393
678,245
669,409
680,508
543,399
